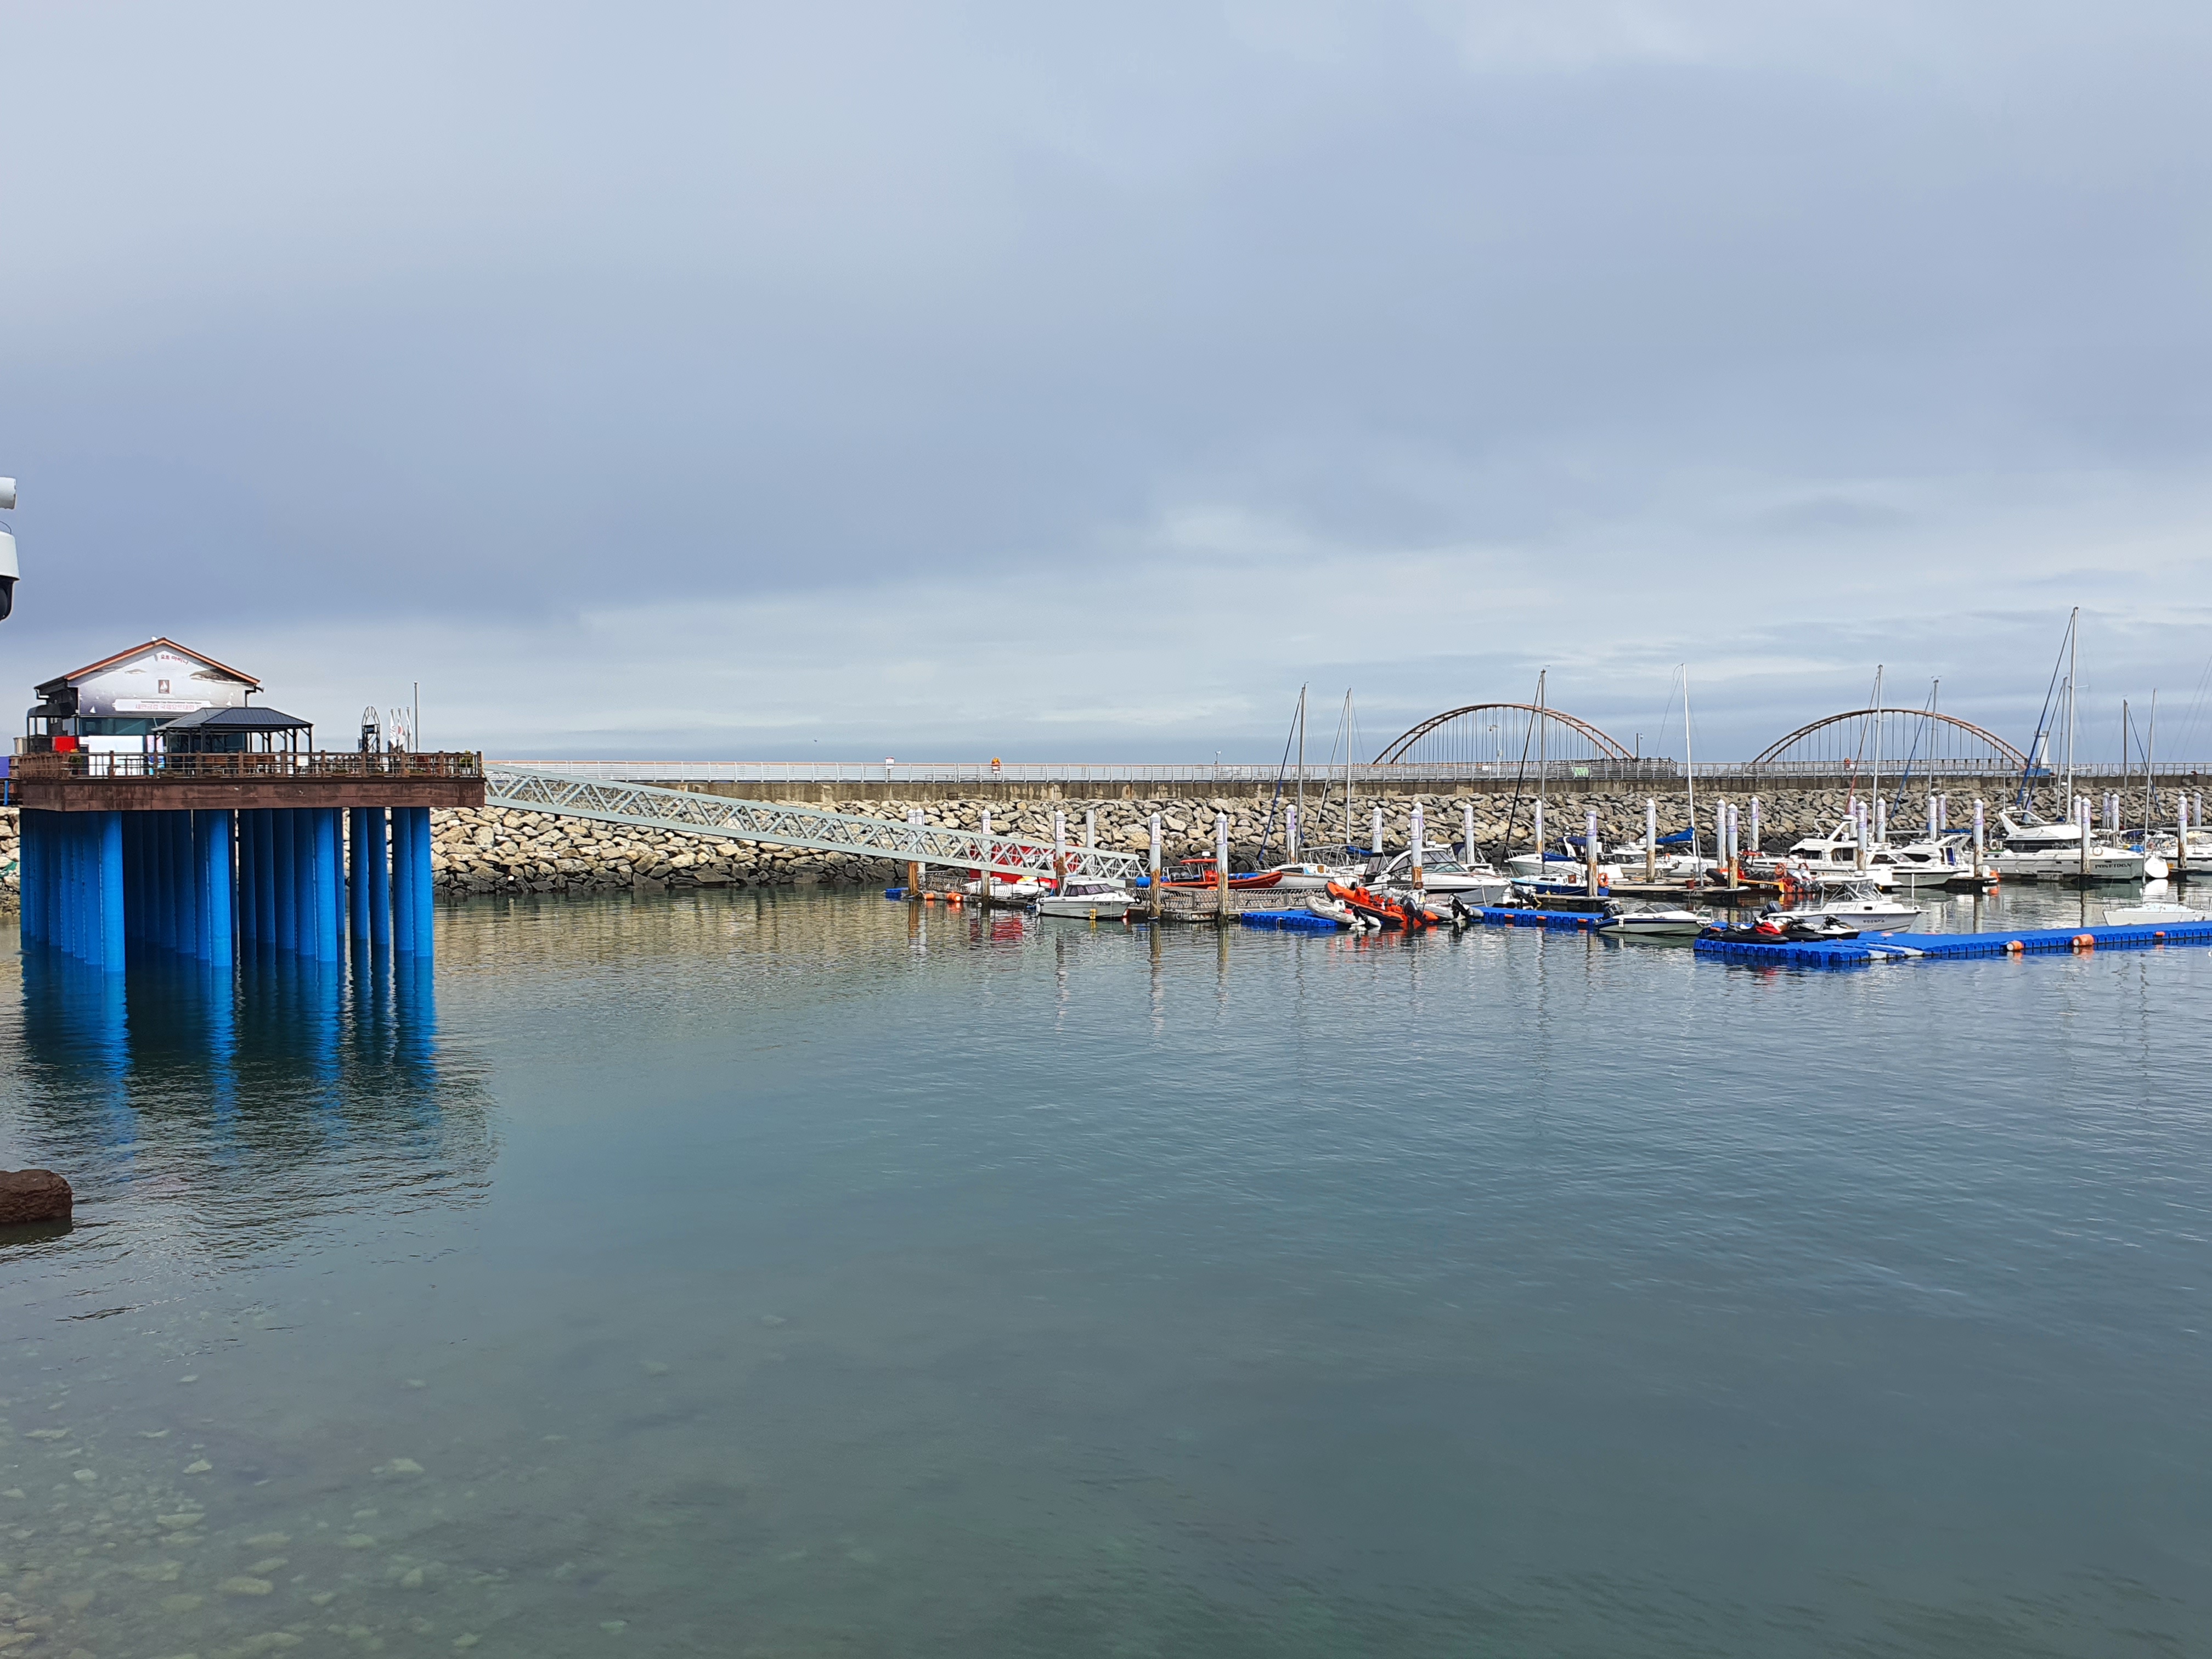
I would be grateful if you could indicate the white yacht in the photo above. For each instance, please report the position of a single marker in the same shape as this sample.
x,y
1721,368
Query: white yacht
x,y
1859,902
1824,861
1443,874
2052,852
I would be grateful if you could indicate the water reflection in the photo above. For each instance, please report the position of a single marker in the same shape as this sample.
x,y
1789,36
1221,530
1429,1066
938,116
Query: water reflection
x,y
253,1098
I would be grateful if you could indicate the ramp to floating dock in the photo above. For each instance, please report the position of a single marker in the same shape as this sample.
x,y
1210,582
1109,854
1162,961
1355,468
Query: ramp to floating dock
x,y
639,805
1955,947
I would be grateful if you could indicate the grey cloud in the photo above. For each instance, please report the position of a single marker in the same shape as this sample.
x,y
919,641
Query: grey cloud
x,y
539,313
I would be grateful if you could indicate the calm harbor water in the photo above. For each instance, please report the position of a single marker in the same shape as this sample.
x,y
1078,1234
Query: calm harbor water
x,y
756,1273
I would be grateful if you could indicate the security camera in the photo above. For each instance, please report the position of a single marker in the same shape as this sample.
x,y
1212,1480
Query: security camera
x,y
8,568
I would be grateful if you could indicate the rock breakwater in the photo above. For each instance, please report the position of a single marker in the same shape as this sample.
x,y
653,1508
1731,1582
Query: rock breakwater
x,y
491,850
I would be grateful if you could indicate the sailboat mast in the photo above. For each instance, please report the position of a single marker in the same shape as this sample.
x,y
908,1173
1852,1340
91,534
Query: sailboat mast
x,y
1873,792
1347,765
1302,757
1690,770
2072,646
1542,731
2150,781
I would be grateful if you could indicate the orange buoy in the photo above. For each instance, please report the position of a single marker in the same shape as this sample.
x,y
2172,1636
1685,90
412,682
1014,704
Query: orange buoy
x,y
2085,941
2015,948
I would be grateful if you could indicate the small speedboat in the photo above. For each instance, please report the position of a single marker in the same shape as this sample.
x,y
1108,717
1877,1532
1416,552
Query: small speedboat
x,y
1087,900
2151,913
1651,922
1862,901
1390,910
1203,873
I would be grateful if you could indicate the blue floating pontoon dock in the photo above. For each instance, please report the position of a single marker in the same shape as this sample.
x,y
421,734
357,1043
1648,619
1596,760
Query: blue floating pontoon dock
x,y
1953,947
1514,916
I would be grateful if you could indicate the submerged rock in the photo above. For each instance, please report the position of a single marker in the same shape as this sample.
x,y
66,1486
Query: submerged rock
x,y
32,1195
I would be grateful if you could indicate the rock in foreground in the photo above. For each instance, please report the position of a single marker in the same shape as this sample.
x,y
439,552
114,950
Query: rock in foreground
x,y
28,1195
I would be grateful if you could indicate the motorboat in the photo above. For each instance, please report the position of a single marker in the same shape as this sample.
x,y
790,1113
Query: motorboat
x,y
1390,909
1310,878
1086,898
1651,921
2151,913
1443,874
1862,903
1203,873
2053,852
1823,861
1936,862
1564,871
1024,891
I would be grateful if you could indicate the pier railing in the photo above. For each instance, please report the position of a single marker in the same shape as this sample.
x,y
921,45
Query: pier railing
x,y
1365,779
218,768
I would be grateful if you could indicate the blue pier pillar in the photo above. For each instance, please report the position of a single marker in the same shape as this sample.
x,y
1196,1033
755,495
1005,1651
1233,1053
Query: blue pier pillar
x,y
287,877
212,837
379,882
187,884
31,875
111,891
357,875
133,877
249,921
403,886
411,880
329,887
265,875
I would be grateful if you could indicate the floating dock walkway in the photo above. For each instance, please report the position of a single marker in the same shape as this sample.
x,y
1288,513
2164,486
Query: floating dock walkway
x,y
1956,947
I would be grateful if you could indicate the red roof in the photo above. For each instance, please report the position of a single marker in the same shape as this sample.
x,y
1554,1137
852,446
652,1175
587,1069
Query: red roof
x,y
122,656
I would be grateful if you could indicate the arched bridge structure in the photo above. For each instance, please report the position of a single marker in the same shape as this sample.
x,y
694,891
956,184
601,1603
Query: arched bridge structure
x,y
1497,736
1890,743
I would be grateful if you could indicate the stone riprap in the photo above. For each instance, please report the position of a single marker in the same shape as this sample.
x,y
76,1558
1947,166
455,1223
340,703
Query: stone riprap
x,y
491,850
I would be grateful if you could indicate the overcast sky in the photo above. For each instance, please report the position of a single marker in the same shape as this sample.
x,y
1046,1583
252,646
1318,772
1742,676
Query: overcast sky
x,y
748,381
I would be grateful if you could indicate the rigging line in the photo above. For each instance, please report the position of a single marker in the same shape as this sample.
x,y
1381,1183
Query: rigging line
x,y
2196,709
1926,726
2035,758
1268,830
1513,819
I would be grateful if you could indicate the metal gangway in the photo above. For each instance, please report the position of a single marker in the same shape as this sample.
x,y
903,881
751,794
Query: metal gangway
x,y
642,806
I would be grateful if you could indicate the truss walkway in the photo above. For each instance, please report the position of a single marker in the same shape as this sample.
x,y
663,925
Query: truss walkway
x,y
641,806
